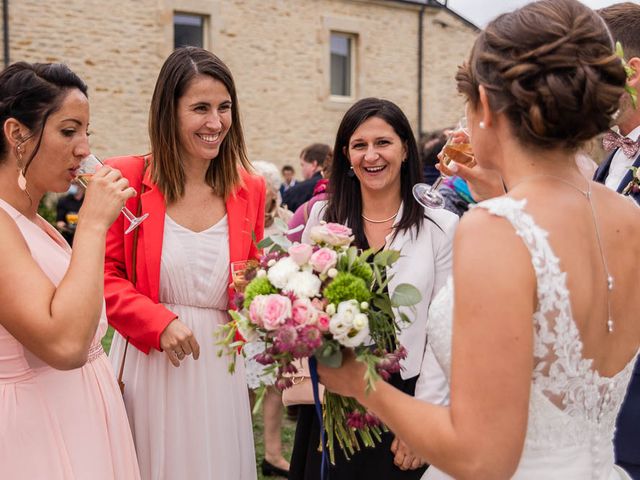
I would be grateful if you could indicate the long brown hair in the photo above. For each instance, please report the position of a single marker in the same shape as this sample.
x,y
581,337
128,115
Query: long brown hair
x,y
167,171
345,197
31,93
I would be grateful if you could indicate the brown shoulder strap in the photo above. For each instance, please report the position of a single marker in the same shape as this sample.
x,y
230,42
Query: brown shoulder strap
x,y
134,274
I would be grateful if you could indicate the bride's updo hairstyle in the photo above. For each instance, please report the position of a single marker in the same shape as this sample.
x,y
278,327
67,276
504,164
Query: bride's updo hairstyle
x,y
550,68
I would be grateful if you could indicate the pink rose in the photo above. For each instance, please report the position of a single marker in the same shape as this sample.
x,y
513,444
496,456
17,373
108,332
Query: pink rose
x,y
300,253
322,322
255,310
303,312
332,234
319,304
323,259
276,310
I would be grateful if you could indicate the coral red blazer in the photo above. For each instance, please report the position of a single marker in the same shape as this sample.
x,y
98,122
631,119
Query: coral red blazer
x,y
135,311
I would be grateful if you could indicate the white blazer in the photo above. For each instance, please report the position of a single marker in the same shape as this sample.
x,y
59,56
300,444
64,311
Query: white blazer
x,y
425,263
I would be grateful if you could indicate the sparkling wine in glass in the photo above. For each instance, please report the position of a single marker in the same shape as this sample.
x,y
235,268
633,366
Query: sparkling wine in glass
x,y
238,269
457,149
88,167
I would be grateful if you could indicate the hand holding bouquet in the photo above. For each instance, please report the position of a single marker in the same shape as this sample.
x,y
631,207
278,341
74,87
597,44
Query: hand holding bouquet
x,y
314,300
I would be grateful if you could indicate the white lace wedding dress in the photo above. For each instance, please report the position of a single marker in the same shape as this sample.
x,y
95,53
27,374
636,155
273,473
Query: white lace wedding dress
x,y
572,409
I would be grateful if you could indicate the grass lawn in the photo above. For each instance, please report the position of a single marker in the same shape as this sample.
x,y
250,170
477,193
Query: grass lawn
x,y
288,427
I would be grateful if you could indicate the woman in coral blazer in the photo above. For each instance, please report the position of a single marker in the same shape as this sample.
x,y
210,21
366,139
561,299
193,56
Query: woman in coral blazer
x,y
190,416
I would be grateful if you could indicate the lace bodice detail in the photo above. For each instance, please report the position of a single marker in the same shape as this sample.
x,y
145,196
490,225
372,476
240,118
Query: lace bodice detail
x,y
571,405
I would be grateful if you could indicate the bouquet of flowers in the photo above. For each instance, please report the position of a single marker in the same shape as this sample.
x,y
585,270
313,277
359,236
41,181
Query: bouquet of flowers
x,y
314,300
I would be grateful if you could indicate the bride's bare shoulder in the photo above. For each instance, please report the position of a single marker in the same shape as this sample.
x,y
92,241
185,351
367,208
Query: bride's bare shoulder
x,y
622,209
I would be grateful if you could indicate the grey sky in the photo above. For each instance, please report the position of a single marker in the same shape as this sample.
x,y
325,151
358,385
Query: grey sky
x,y
481,11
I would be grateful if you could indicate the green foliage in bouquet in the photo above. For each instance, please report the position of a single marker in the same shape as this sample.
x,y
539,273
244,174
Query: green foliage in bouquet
x,y
258,286
346,286
358,310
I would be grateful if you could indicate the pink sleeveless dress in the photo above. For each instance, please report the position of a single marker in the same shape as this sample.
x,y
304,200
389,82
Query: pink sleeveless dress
x,y
60,424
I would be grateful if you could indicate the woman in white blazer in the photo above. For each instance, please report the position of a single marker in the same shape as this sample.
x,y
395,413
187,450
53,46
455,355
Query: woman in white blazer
x,y
376,163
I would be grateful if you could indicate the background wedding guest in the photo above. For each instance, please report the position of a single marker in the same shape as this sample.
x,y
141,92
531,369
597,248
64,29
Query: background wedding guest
x,y
312,158
623,20
430,146
375,166
67,210
538,339
301,215
190,417
288,179
61,412
273,462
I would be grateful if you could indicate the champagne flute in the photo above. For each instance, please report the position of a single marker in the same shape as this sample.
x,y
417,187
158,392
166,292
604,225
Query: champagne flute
x,y
454,150
88,167
238,269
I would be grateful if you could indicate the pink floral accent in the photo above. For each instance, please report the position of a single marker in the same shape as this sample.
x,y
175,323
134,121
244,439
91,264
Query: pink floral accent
x,y
323,259
303,312
300,253
275,311
311,336
255,310
359,420
332,234
323,322
283,383
287,338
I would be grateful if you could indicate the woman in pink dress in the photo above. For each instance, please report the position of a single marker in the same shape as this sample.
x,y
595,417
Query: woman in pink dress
x,y
61,413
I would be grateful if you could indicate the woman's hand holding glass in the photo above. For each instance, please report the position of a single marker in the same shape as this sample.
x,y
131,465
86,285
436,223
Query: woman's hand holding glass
x,y
88,171
457,149
106,194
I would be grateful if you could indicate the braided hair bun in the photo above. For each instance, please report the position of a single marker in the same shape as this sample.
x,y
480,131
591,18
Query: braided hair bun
x,y
550,67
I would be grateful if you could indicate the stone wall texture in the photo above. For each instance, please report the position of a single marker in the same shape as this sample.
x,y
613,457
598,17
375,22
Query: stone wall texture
x,y
278,51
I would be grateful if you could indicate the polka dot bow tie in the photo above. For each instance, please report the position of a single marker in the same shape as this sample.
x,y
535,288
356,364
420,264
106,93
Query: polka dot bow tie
x,y
613,140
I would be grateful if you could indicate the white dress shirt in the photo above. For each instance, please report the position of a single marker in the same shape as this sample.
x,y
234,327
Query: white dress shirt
x,y
425,263
620,163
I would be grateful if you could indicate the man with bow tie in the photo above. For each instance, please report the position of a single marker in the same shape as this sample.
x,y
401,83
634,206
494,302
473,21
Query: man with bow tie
x,y
623,20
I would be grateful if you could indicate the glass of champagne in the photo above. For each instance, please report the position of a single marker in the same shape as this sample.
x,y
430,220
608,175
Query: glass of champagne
x,y
457,149
88,167
238,269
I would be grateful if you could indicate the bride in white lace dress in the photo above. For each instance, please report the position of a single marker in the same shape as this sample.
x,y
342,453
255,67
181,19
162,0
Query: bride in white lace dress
x,y
541,334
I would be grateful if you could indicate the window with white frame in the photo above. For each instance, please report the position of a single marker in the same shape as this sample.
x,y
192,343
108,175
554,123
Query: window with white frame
x,y
188,30
342,64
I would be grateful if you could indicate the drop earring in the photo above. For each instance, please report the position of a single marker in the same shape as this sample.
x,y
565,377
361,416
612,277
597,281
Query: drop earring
x,y
482,125
22,180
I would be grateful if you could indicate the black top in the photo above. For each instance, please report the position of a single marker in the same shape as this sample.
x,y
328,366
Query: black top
x,y
300,192
67,204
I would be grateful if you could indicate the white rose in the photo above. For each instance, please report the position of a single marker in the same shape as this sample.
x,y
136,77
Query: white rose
x,y
360,321
353,338
303,284
280,273
340,325
349,306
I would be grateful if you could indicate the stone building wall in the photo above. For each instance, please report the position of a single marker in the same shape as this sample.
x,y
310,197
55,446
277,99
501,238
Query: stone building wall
x,y
278,51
